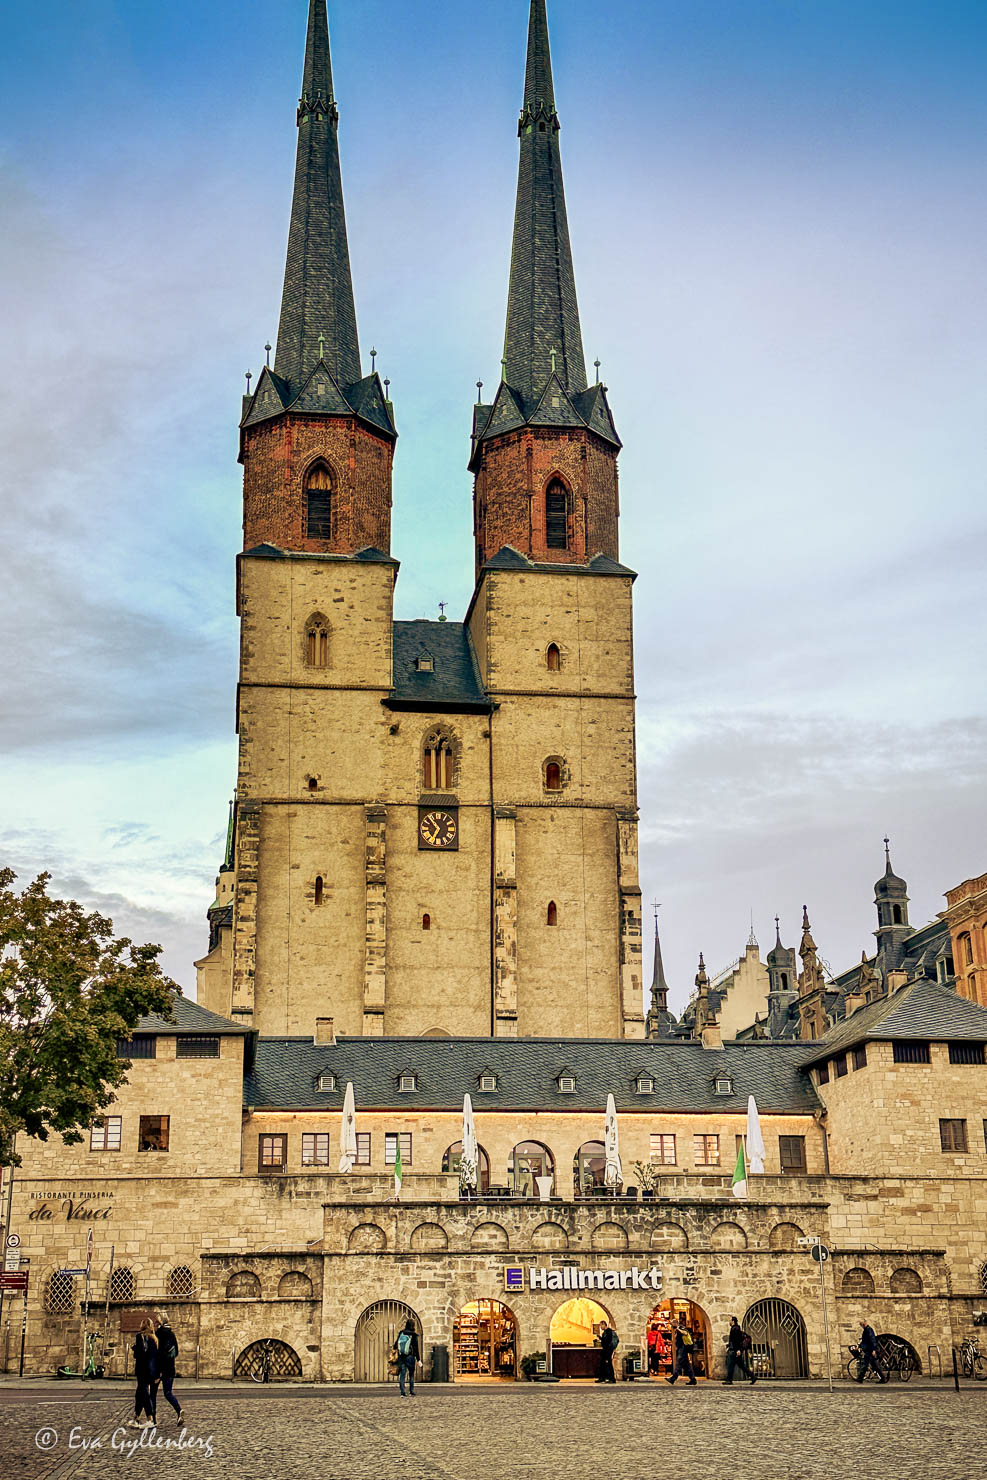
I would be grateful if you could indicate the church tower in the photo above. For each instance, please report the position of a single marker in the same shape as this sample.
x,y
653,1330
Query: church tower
x,y
552,628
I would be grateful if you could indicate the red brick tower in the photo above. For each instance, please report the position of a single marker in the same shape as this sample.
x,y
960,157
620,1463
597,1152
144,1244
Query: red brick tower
x,y
545,450
317,437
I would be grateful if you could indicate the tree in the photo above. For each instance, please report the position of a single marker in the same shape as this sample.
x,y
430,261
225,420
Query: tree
x,y
68,991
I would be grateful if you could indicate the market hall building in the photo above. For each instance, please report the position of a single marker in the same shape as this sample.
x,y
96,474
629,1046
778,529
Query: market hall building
x,y
431,890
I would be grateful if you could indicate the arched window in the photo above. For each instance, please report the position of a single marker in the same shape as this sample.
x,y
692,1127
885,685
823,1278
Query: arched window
x,y
552,913
437,763
319,889
529,1161
553,658
313,785
317,641
318,503
556,516
553,776
589,1167
784,981
453,1155
426,922
181,1281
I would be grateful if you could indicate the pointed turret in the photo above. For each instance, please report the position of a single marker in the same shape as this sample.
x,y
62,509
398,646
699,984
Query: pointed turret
x,y
660,1021
318,319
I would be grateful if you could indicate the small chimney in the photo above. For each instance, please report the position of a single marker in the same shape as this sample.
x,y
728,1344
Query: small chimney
x,y
711,1035
853,1002
324,1031
896,980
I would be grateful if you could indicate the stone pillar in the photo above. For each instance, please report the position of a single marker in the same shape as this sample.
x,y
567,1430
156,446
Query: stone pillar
x,y
375,967
505,922
628,884
245,910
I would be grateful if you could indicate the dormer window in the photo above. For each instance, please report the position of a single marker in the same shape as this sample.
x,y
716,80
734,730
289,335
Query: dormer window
x,y
487,1083
566,1083
723,1087
425,663
407,1084
326,1082
645,1084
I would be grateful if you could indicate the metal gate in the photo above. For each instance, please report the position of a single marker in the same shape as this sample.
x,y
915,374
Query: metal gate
x,y
778,1346
376,1332
268,1361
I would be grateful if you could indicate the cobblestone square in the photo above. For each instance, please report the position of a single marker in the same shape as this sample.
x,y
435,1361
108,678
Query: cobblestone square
x,y
522,1433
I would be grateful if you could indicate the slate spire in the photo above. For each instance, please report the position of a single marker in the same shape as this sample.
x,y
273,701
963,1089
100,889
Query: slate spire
x,y
543,331
318,318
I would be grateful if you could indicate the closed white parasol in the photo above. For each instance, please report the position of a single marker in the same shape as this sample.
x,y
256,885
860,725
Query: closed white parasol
x,y
613,1173
347,1137
469,1161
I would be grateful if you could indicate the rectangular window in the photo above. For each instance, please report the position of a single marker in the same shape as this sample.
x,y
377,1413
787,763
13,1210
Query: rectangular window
x,y
952,1135
315,1149
153,1133
272,1153
391,1148
824,1073
197,1048
706,1150
663,1149
144,1046
911,1053
839,1065
791,1150
362,1149
104,1134
966,1053
860,1056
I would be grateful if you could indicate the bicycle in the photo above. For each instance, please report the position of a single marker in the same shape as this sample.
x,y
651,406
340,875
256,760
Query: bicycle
x,y
260,1369
896,1359
91,1368
854,1366
972,1360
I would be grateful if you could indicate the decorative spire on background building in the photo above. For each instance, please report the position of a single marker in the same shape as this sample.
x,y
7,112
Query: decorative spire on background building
x,y
659,1021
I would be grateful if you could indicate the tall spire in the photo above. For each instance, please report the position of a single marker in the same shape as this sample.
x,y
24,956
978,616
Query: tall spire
x,y
318,318
659,986
542,313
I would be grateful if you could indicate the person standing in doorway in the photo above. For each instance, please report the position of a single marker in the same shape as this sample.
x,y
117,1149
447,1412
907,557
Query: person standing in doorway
x,y
609,1341
409,1355
738,1352
683,1354
167,1354
868,1353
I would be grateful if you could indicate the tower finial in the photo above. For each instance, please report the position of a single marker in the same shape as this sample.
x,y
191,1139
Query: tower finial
x,y
887,854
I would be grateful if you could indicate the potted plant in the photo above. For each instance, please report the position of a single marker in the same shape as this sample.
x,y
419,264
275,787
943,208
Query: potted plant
x,y
647,1175
530,1365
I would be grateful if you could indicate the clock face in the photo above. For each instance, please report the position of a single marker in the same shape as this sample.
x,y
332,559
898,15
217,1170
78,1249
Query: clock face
x,y
437,828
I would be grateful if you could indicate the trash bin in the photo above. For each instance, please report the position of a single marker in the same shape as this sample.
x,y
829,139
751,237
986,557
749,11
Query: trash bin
x,y
440,1363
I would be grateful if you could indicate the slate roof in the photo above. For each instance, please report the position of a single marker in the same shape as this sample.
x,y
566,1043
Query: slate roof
x,y
189,1017
285,1071
922,1010
507,558
370,555
454,683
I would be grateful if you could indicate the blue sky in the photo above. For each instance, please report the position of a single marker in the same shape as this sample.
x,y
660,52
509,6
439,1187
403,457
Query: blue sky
x,y
778,223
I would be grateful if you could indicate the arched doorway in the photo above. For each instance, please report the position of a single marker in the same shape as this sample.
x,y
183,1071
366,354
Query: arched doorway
x,y
589,1168
531,1170
268,1361
376,1332
667,1317
778,1345
454,1155
484,1342
886,1340
574,1338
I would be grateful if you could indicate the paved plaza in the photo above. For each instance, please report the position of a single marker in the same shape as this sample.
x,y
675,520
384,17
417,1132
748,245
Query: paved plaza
x,y
795,1432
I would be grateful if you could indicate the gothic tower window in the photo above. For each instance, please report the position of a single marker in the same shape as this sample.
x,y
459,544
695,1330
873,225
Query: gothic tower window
x,y
556,516
553,775
552,913
437,763
317,641
896,914
319,889
553,658
318,503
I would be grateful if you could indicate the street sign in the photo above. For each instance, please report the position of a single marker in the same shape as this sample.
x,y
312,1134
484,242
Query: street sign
x,y
12,1259
820,1253
14,1279
13,1240
71,1271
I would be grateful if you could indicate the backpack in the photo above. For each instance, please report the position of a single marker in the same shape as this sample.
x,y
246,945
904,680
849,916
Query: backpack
x,y
404,1344
614,1340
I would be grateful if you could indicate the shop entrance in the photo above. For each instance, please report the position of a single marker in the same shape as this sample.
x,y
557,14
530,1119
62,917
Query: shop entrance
x,y
484,1342
574,1339
662,1324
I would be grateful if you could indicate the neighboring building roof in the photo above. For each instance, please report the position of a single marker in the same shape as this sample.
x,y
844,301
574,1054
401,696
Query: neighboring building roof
x,y
922,1010
507,558
188,1017
527,1069
452,685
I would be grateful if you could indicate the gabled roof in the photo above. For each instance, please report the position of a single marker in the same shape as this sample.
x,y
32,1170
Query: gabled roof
x,y
187,1018
923,1010
527,1069
454,682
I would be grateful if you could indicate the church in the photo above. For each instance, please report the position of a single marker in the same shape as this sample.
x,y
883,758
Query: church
x,y
430,891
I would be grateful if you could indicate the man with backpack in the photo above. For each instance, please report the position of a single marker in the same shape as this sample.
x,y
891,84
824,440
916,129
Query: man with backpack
x,y
683,1354
738,1352
408,1355
167,1353
609,1341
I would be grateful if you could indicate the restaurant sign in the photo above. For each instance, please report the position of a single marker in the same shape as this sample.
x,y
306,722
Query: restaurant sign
x,y
517,1277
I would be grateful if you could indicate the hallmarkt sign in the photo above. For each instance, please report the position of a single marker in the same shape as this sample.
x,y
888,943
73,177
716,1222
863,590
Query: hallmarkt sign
x,y
570,1278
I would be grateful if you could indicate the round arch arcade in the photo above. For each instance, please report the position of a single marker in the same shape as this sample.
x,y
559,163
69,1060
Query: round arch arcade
x,y
485,1342
668,1317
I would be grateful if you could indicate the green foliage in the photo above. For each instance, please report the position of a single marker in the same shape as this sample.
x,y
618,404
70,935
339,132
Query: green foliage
x,y
529,1363
647,1175
68,991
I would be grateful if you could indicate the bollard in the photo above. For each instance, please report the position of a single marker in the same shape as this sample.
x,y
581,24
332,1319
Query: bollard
x,y
956,1372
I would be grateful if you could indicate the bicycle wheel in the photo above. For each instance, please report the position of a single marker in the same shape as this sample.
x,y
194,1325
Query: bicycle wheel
x,y
907,1367
980,1368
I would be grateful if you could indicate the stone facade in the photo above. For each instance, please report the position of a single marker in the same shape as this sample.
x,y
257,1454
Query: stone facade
x,y
966,916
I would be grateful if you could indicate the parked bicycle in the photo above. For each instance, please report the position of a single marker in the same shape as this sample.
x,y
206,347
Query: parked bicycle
x,y
895,1357
972,1360
260,1370
855,1366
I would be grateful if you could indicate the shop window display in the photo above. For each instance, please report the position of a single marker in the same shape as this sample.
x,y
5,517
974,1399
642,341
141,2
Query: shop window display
x,y
484,1339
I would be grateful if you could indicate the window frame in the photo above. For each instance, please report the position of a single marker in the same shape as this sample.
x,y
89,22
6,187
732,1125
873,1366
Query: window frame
x,y
407,1084
957,1049
148,1046
364,1149
556,518
860,1056
953,1136
723,1086
105,1123
323,494
710,1142
792,1168
199,1043
910,1051
311,1148
268,1165
566,1084
822,1072
840,1066
162,1121
391,1145
644,1084
662,1160
326,1089
487,1084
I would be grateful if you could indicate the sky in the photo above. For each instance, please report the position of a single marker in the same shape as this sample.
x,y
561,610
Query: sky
x,y
777,211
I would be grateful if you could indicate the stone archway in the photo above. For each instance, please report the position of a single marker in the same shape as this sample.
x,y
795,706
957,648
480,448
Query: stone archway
x,y
374,1337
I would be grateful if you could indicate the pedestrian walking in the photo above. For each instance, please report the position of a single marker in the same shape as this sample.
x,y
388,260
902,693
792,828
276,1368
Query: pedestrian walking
x,y
868,1353
167,1355
146,1371
683,1355
656,1349
408,1355
609,1341
739,1353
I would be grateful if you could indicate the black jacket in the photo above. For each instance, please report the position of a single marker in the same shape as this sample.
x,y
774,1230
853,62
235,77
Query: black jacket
x,y
609,1341
147,1365
868,1341
414,1354
167,1350
736,1339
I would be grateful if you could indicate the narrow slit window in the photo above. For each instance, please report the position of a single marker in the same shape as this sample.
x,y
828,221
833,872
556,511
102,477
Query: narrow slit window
x,y
556,516
426,922
552,913
437,764
553,658
553,776
319,889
